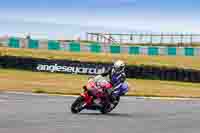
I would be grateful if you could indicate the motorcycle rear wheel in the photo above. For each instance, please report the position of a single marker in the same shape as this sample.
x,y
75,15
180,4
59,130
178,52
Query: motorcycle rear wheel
x,y
107,108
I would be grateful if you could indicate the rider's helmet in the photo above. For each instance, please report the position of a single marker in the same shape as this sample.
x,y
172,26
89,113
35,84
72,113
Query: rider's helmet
x,y
119,66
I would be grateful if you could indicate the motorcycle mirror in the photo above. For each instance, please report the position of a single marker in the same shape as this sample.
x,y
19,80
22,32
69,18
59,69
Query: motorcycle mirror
x,y
84,87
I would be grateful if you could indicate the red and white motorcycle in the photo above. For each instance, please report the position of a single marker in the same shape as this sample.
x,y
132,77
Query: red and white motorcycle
x,y
98,100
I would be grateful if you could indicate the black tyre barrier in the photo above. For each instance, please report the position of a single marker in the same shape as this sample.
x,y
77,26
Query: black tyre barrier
x,y
93,68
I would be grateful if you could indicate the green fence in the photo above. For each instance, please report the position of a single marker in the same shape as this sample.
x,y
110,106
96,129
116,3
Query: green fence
x,y
171,51
114,49
134,50
53,45
74,47
152,51
14,43
189,51
34,44
95,48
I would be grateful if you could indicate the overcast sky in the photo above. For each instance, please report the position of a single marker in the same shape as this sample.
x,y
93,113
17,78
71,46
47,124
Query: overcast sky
x,y
70,18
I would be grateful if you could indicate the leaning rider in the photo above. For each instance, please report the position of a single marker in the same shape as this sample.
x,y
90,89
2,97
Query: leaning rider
x,y
117,78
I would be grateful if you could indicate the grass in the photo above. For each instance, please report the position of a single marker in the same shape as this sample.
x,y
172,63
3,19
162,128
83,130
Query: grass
x,y
170,61
54,83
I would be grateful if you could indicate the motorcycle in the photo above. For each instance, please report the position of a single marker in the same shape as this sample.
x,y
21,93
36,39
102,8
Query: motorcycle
x,y
97,99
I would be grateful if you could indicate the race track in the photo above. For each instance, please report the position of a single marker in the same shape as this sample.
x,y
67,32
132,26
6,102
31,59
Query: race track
x,y
27,113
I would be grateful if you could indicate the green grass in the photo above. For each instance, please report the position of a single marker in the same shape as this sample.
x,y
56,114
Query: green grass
x,y
54,83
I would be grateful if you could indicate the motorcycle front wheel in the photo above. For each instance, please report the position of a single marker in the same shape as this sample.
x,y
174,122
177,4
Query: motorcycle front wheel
x,y
76,107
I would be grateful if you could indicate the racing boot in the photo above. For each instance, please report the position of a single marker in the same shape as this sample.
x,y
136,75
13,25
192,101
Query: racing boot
x,y
113,99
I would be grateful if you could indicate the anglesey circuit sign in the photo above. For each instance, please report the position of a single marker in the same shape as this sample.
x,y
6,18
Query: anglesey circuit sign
x,y
95,68
69,69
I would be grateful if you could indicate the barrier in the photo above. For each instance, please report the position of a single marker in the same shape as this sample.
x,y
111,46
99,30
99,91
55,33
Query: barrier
x,y
152,51
53,45
34,44
134,50
189,51
171,51
112,48
93,68
95,48
14,43
74,47
115,49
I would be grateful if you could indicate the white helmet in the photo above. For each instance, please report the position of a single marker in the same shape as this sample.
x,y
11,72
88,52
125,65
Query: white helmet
x,y
119,66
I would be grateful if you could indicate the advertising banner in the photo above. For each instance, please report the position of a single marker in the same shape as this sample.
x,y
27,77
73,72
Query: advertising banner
x,y
70,69
95,68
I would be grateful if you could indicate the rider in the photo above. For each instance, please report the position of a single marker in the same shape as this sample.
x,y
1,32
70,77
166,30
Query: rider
x,y
117,78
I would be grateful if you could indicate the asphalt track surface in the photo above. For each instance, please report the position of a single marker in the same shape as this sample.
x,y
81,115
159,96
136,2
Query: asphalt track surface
x,y
27,113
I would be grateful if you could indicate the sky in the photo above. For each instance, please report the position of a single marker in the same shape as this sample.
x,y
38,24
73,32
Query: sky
x,y
57,19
